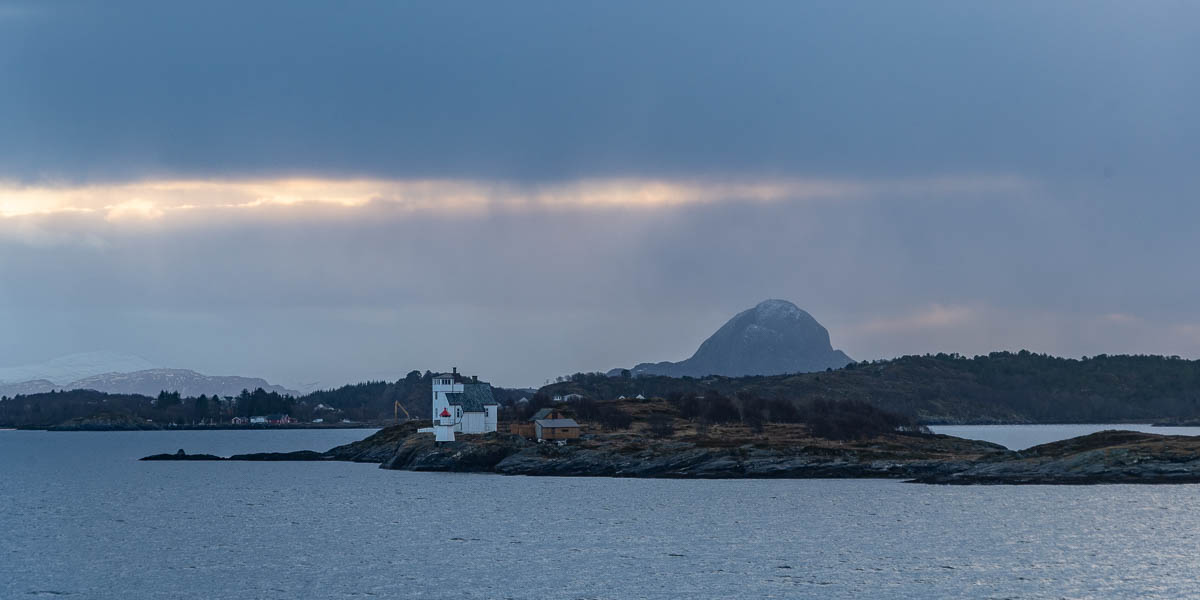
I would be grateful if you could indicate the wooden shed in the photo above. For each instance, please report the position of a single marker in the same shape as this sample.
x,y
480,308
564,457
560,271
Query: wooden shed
x,y
528,429
525,430
556,429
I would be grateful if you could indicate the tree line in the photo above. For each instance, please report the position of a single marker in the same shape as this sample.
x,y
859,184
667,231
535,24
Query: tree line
x,y
372,401
1001,387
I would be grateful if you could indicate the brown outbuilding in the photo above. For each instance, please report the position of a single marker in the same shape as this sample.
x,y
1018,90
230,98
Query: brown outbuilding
x,y
528,429
556,429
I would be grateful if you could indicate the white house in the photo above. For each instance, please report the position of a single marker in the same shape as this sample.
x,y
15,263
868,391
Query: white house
x,y
462,405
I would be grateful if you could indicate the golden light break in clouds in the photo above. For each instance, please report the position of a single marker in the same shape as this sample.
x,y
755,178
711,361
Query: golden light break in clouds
x,y
154,200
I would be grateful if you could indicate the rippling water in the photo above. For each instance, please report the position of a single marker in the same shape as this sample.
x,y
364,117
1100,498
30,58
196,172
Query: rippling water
x,y
81,516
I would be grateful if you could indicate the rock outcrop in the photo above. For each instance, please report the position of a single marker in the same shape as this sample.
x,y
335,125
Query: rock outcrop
x,y
297,456
893,456
773,338
1104,457
181,455
900,456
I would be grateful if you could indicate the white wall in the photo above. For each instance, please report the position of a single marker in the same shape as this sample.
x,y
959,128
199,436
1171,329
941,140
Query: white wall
x,y
439,399
490,416
472,422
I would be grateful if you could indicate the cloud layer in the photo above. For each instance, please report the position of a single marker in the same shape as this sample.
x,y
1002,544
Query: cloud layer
x,y
305,191
537,90
331,292
153,200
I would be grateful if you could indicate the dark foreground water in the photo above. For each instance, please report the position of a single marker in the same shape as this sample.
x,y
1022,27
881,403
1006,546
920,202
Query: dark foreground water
x,y
80,517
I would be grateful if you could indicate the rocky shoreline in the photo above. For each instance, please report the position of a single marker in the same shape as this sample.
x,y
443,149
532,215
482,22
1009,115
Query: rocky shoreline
x,y
111,422
1105,457
510,455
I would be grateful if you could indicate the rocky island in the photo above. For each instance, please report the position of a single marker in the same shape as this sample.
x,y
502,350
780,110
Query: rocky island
x,y
682,449
901,455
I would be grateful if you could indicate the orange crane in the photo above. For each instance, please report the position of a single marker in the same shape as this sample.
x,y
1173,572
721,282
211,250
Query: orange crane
x,y
396,409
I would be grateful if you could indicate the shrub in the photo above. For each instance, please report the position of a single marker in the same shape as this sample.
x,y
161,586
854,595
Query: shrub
x,y
611,418
854,419
661,425
716,408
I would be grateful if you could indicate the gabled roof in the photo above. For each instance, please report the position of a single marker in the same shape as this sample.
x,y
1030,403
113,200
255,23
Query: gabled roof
x,y
557,423
473,397
542,413
458,377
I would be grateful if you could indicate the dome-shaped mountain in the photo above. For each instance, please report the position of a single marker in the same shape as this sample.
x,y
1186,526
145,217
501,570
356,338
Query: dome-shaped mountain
x,y
772,338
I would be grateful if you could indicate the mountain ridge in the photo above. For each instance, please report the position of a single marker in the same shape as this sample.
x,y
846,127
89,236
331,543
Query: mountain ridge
x,y
63,370
149,382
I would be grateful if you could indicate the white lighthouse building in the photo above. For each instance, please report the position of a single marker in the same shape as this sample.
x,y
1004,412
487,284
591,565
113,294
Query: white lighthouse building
x,y
462,405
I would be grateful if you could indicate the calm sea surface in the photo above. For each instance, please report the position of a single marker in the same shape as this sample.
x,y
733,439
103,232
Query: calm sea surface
x,y
80,517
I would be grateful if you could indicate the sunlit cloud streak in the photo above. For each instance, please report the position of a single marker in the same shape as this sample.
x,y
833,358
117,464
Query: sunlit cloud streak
x,y
148,200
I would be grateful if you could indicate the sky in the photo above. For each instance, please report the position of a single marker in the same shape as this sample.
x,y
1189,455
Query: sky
x,y
321,193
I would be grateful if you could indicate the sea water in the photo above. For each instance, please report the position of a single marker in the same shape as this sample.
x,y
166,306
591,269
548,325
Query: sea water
x,y
80,517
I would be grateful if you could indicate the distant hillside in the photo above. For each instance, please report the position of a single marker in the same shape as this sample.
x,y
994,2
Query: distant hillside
x,y
1002,387
773,338
187,382
73,367
150,382
118,373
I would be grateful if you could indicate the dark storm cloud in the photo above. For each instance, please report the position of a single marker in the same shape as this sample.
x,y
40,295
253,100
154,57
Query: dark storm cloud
x,y
550,90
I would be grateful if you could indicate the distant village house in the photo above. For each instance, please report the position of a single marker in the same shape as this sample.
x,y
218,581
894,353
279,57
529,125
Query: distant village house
x,y
267,420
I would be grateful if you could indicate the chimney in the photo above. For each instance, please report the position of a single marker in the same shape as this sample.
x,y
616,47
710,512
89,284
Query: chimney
x,y
454,370
475,378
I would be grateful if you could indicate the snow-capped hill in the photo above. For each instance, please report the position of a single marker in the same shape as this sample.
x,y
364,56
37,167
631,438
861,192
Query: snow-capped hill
x,y
35,386
188,383
73,367
149,382
773,338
